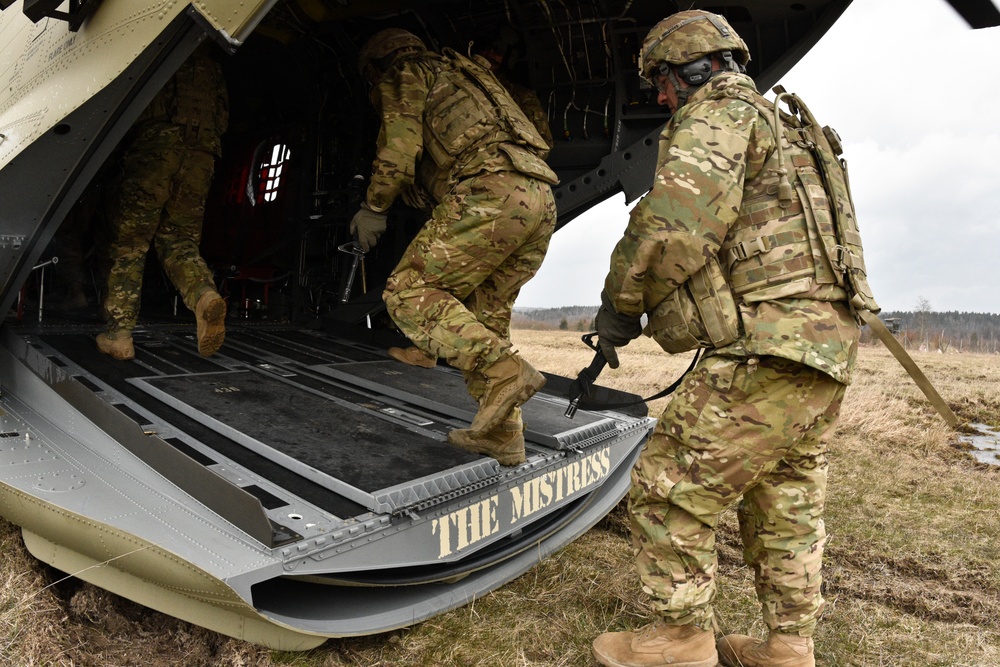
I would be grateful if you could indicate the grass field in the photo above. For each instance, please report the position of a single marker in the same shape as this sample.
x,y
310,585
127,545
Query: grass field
x,y
912,572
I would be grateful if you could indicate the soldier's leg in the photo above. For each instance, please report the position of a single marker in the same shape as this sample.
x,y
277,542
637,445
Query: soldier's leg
x,y
179,235
728,426
133,216
472,232
781,518
493,300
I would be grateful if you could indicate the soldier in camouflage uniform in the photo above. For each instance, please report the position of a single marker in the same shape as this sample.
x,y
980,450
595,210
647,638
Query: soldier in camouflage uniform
x,y
526,100
450,131
724,254
166,174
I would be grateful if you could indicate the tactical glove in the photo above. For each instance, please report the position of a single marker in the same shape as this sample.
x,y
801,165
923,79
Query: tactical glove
x,y
368,225
614,329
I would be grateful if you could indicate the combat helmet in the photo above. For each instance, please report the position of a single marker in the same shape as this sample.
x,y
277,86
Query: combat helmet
x,y
379,51
686,37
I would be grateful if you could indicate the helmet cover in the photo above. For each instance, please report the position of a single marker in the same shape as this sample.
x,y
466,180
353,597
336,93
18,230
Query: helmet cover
x,y
383,44
687,36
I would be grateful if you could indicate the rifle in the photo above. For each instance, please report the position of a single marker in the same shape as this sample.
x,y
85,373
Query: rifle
x,y
582,387
585,380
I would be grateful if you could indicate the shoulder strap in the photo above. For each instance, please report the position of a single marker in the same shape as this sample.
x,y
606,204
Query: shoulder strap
x,y
911,367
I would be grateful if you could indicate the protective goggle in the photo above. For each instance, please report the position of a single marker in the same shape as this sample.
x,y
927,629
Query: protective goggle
x,y
660,77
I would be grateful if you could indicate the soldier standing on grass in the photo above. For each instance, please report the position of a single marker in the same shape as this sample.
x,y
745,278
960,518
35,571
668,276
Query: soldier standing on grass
x,y
452,133
746,246
160,198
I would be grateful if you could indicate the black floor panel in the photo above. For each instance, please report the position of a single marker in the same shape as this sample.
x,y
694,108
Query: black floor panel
x,y
80,349
347,443
443,391
296,345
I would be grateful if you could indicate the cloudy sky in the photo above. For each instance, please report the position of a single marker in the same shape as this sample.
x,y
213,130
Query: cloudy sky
x,y
913,92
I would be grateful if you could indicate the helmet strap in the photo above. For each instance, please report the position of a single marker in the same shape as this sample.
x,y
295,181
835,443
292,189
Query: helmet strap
x,y
729,63
682,92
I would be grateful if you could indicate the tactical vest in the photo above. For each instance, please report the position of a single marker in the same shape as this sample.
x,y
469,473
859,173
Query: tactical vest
x,y
468,109
796,236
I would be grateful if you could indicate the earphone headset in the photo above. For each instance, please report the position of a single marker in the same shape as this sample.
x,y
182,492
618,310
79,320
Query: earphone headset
x,y
699,71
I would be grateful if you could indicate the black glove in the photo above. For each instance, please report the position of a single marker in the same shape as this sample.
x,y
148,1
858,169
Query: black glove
x,y
614,329
368,225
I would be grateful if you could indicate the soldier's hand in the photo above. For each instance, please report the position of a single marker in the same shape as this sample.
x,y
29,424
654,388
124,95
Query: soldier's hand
x,y
368,226
614,330
609,351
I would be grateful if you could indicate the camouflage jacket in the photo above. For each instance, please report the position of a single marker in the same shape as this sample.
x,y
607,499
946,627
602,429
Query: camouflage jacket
x,y
404,161
191,109
532,108
709,151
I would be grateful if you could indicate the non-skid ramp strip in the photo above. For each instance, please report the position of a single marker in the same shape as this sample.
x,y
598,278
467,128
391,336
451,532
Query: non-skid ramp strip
x,y
378,463
442,390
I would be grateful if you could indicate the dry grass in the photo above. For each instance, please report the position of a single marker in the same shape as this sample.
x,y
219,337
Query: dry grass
x,y
912,577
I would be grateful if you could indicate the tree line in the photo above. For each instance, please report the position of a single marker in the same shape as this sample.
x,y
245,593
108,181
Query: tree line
x,y
920,329
945,331
566,318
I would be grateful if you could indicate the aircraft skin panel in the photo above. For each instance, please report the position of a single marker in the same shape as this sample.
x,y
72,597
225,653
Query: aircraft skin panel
x,y
92,476
233,19
451,533
378,609
107,42
54,90
231,617
287,614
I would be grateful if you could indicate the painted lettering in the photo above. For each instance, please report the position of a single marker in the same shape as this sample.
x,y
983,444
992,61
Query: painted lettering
x,y
465,527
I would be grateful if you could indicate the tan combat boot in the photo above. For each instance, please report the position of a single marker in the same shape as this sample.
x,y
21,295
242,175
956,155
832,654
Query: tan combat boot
x,y
510,382
413,356
210,313
658,645
778,651
504,443
117,344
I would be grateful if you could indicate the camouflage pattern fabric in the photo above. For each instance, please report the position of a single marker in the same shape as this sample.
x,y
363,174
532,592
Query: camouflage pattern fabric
x,y
453,291
161,200
532,108
402,159
737,429
492,218
708,151
160,194
195,101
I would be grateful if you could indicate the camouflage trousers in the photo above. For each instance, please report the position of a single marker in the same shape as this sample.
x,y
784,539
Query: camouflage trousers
x,y
161,200
737,432
453,291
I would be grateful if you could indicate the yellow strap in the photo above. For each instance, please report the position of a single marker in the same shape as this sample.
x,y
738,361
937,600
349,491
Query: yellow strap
x,y
911,367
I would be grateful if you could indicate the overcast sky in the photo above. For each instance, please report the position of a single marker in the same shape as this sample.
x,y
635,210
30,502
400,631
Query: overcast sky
x,y
914,93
